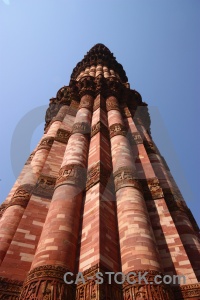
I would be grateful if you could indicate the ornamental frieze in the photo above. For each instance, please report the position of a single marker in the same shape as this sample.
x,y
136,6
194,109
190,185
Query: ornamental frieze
x,y
46,143
113,87
22,195
46,282
151,290
112,103
117,129
73,90
126,112
92,290
124,177
87,102
72,174
62,136
86,86
99,127
10,289
81,127
100,82
45,186
136,138
187,291
98,173
151,188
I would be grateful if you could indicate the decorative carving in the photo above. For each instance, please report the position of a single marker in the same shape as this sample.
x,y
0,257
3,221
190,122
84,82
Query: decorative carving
x,y
151,189
98,173
46,282
113,87
100,82
99,54
100,127
45,186
141,290
187,291
136,137
46,143
81,127
72,174
117,129
10,289
73,91
62,136
86,86
126,112
125,177
22,195
87,102
112,103
150,148
52,110
93,291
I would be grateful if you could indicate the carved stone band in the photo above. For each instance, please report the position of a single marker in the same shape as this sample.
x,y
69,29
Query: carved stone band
x,y
45,186
112,103
187,291
136,138
10,289
99,127
86,86
46,282
124,177
98,173
87,102
21,196
62,136
126,112
146,291
151,189
46,143
72,174
81,127
92,290
117,129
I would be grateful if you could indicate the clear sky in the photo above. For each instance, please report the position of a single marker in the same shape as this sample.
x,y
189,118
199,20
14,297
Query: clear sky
x,y
156,41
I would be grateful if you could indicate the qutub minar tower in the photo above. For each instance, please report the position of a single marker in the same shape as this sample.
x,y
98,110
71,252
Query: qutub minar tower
x,y
97,196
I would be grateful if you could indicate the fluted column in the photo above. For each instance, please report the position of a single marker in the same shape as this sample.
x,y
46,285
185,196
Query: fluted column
x,y
26,182
178,209
137,244
58,242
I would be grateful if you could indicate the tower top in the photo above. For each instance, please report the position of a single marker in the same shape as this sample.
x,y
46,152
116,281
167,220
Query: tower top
x,y
99,55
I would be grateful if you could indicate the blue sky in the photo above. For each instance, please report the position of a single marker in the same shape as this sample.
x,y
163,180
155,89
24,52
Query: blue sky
x,y
156,41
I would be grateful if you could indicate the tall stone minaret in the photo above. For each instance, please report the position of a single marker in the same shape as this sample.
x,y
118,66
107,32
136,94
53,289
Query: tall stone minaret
x,y
96,195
